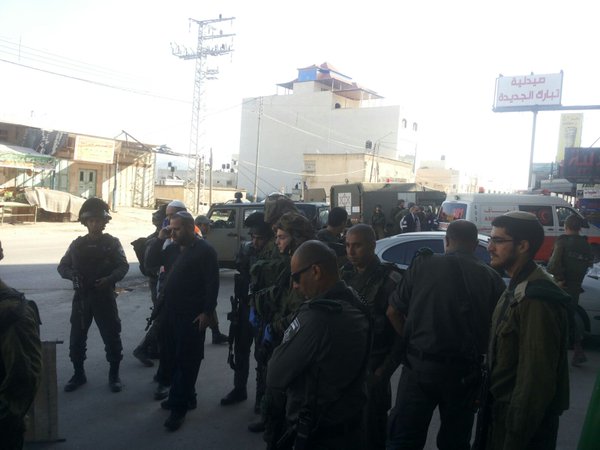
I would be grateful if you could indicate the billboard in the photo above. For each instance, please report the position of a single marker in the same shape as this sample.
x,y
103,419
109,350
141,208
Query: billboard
x,y
582,165
569,133
519,92
94,150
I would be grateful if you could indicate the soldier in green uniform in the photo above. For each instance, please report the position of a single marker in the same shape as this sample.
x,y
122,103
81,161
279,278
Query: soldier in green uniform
x,y
241,335
20,363
374,282
321,362
264,274
529,378
94,263
571,258
279,302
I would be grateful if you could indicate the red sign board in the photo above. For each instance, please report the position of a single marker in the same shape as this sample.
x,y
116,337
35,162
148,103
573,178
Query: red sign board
x,y
582,165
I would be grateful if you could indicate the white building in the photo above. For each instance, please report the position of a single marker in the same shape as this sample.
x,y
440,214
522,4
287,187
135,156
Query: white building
x,y
322,112
435,175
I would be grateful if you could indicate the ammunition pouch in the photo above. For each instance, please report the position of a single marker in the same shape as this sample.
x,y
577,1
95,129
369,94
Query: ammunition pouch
x,y
265,302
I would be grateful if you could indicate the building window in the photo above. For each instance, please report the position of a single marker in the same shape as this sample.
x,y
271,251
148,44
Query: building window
x,y
414,126
310,166
404,123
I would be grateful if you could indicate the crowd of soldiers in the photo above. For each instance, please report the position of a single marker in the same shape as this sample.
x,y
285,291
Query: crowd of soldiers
x,y
331,323
465,340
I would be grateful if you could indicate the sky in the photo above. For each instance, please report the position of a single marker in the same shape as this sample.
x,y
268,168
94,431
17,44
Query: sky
x,y
438,60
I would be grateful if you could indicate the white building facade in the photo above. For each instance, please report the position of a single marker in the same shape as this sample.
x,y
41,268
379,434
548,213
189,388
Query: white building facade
x,y
323,112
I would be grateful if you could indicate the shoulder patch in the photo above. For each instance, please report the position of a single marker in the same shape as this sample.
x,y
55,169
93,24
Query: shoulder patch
x,y
291,330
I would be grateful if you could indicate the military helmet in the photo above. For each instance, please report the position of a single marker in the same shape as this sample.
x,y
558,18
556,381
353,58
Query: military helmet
x,y
298,226
277,205
258,226
94,207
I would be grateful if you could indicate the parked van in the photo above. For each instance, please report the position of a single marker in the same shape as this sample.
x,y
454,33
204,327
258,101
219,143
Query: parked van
x,y
482,209
228,231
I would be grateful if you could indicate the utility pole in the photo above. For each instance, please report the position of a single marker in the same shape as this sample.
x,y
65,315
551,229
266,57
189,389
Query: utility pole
x,y
260,111
209,44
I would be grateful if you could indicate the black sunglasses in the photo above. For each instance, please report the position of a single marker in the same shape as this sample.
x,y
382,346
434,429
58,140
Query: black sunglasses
x,y
296,275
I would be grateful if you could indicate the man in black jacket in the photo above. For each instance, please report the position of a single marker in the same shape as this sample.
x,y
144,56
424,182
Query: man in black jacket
x,y
321,362
191,287
443,308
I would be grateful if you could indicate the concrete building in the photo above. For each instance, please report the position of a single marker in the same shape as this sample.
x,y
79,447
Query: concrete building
x,y
435,175
322,112
121,172
325,170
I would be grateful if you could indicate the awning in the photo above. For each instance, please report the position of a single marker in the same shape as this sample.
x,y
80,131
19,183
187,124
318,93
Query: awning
x,y
17,157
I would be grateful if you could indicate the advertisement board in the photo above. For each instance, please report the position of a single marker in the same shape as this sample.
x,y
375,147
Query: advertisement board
x,y
516,92
569,133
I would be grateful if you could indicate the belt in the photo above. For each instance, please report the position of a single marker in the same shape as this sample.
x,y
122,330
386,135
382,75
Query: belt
x,y
436,357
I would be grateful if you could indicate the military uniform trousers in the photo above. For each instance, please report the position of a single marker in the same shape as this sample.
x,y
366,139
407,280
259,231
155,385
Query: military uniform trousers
x,y
379,402
100,306
185,350
544,438
422,387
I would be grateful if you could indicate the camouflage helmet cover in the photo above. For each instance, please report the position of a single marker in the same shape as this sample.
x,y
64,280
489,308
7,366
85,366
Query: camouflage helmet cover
x,y
276,206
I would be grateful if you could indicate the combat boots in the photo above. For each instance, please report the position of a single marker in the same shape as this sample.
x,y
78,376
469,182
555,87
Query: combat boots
x,y
235,396
219,338
114,382
77,379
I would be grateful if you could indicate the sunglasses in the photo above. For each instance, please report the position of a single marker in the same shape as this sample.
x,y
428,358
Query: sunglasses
x,y
296,275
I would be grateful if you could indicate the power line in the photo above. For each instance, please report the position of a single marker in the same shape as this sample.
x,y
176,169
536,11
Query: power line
x,y
97,83
23,51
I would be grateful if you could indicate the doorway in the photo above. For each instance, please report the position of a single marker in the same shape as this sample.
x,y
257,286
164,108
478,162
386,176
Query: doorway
x,y
87,183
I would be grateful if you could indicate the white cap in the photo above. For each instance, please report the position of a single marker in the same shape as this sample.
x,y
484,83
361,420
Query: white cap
x,y
176,204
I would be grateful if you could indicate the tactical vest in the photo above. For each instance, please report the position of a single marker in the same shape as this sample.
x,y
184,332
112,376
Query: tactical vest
x,y
94,259
371,289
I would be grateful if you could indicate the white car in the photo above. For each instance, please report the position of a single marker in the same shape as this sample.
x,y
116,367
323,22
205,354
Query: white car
x,y
401,249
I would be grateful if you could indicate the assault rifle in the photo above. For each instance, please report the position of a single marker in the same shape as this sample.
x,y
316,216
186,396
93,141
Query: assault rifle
x,y
240,294
78,300
484,411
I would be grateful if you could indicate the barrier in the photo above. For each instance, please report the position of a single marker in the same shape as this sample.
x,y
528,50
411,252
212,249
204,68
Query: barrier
x,y
42,423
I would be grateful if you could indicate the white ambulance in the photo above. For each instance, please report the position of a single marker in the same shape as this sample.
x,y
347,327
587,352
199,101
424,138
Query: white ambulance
x,y
482,209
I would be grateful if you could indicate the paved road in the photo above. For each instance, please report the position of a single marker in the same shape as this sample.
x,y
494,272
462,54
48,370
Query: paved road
x,y
94,418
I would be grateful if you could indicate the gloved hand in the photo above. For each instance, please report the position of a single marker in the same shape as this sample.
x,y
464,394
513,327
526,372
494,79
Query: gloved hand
x,y
268,336
253,318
